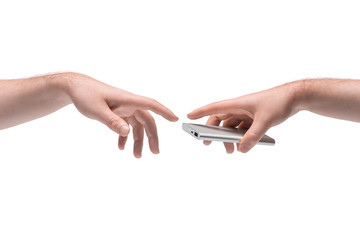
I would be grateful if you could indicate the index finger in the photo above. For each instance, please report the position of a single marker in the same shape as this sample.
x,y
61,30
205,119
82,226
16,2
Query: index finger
x,y
146,103
225,106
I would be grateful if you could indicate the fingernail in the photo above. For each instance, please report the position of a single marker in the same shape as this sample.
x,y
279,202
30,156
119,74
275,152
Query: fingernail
x,y
124,130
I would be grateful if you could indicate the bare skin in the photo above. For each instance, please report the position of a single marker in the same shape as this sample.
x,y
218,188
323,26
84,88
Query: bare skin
x,y
23,100
337,98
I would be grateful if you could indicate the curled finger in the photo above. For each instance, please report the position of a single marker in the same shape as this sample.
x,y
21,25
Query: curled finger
x,y
122,140
215,120
138,135
230,122
145,118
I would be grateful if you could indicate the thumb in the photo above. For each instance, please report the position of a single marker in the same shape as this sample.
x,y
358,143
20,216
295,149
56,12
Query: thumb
x,y
114,122
253,135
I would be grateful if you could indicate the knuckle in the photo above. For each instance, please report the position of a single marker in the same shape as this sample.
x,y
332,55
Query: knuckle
x,y
153,102
113,122
138,142
254,135
152,136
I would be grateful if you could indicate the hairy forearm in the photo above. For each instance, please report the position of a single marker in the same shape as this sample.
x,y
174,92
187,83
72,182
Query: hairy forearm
x,y
337,98
23,100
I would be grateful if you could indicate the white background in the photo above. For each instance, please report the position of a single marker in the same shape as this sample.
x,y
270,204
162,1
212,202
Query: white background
x,y
62,176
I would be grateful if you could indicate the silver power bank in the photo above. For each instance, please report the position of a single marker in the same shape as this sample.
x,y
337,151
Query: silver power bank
x,y
222,134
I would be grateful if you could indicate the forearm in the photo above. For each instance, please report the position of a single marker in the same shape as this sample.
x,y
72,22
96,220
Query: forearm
x,y
23,100
337,98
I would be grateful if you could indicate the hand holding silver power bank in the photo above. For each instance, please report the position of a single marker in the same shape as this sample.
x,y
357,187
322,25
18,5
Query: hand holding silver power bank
x,y
222,134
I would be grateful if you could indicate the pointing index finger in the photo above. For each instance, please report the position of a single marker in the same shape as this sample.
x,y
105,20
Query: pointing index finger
x,y
225,106
151,104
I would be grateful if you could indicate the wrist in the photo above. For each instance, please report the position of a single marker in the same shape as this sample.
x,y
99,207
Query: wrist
x,y
60,85
299,91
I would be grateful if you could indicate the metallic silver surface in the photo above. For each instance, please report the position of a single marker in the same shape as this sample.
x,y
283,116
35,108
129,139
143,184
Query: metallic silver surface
x,y
222,134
